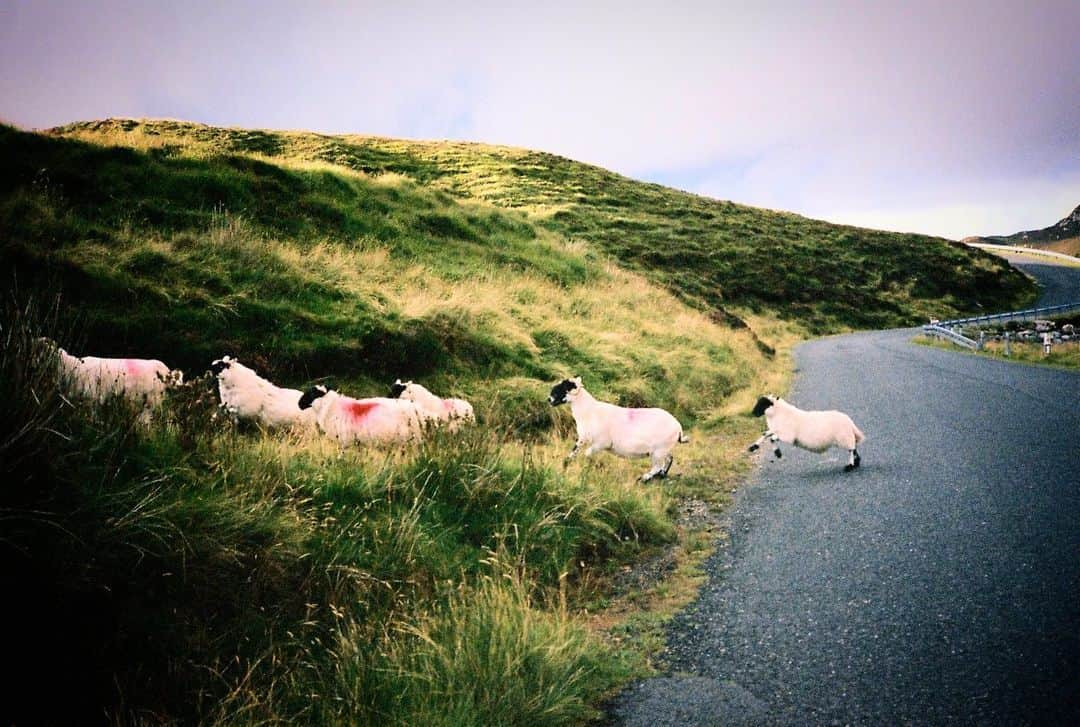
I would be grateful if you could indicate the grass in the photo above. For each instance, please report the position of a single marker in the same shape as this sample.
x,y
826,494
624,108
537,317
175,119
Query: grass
x,y
196,572
713,254
1063,355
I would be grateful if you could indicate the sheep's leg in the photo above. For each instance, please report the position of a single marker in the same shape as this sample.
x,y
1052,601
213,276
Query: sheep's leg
x,y
853,460
757,443
660,468
574,451
654,472
772,437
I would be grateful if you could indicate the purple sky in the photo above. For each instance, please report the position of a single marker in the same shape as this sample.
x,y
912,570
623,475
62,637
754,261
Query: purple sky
x,y
951,118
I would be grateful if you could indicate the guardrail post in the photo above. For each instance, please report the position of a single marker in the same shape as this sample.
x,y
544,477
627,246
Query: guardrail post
x,y
1008,344
982,341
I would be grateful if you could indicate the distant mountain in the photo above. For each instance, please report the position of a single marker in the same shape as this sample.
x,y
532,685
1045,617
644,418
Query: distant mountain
x,y
1064,236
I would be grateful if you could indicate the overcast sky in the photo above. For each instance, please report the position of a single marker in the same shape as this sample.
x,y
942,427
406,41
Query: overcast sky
x,y
950,118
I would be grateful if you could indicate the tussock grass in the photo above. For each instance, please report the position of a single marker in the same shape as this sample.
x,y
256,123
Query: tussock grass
x,y
485,657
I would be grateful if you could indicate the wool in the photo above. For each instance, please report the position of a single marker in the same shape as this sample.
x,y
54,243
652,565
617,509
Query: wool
x,y
627,432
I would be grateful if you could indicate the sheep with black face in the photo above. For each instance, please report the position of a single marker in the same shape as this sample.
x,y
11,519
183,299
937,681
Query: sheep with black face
x,y
815,431
627,432
246,395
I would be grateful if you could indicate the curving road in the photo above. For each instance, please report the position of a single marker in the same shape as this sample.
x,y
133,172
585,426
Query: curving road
x,y
938,584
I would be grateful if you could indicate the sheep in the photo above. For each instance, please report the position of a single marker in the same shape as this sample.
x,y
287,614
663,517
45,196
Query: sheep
x,y
246,395
815,431
350,420
140,381
627,432
433,408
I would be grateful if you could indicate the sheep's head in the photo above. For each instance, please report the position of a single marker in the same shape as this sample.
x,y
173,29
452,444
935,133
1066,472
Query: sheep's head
x,y
309,396
764,403
399,387
565,391
221,364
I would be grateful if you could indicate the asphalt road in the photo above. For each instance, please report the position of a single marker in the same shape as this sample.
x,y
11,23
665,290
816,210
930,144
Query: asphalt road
x,y
1060,284
937,584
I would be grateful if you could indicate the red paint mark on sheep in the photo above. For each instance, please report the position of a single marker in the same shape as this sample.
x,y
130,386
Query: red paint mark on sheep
x,y
132,366
357,410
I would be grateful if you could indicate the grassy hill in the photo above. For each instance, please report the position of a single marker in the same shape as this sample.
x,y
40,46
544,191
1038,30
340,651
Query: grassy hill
x,y
711,253
198,572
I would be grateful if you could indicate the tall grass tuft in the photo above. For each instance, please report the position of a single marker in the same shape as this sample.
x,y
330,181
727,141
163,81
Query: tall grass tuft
x,y
484,656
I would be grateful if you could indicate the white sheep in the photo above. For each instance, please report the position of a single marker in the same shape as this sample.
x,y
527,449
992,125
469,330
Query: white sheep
x,y
140,381
432,407
815,431
627,432
361,420
246,395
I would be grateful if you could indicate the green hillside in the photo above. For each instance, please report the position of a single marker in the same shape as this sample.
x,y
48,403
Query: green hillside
x,y
713,253
195,571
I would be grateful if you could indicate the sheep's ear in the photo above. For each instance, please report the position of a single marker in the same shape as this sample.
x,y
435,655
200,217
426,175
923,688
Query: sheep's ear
x,y
577,380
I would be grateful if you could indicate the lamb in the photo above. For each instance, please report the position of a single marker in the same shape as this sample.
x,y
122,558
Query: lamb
x,y
361,420
246,395
140,381
815,431
627,432
433,408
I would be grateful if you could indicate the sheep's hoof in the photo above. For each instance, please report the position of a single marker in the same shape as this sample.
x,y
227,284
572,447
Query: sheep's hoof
x,y
778,453
752,448
849,467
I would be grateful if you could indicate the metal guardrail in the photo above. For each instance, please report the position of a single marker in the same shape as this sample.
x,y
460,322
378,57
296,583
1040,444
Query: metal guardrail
x,y
1019,315
936,330
944,329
